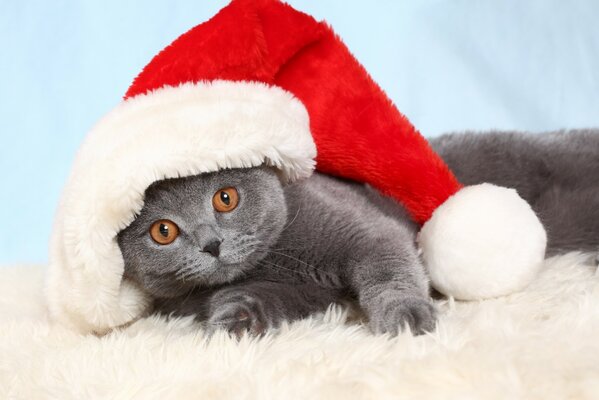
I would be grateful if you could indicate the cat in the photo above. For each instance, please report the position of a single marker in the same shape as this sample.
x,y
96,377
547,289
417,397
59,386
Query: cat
x,y
246,253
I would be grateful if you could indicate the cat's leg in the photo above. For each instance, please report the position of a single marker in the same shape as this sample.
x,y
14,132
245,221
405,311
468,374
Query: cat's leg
x,y
257,306
252,306
392,287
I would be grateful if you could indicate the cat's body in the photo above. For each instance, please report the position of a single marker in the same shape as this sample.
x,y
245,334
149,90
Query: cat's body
x,y
557,173
341,240
332,239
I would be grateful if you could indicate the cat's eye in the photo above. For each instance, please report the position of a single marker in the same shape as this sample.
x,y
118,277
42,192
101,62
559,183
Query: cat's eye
x,y
164,231
225,200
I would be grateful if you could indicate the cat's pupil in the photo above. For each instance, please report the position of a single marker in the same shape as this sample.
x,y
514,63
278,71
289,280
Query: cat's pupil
x,y
163,230
224,196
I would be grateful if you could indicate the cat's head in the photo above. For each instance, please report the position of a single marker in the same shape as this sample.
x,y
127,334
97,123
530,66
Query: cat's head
x,y
203,230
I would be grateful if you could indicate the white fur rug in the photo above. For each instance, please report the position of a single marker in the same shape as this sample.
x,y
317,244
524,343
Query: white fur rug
x,y
539,344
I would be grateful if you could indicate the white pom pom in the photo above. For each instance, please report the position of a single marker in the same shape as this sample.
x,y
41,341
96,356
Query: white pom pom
x,y
484,241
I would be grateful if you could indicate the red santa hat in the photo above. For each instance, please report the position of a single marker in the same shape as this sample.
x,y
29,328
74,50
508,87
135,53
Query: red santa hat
x,y
261,83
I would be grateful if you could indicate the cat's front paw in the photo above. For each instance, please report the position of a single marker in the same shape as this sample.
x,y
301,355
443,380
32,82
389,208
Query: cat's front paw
x,y
242,315
394,314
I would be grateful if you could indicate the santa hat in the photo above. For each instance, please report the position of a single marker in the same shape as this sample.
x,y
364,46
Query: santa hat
x,y
261,83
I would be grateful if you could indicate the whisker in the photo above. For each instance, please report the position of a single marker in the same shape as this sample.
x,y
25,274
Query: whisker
x,y
183,272
188,273
188,295
294,271
294,218
286,248
301,261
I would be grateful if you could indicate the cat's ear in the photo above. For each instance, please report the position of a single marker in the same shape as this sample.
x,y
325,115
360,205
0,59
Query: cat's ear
x,y
158,189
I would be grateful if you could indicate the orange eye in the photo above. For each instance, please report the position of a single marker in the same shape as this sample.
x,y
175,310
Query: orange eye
x,y
164,231
225,200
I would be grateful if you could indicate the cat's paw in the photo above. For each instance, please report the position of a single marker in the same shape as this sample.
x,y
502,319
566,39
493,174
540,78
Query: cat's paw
x,y
244,315
395,314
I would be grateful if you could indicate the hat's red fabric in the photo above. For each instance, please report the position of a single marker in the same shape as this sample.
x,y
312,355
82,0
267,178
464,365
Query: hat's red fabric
x,y
359,133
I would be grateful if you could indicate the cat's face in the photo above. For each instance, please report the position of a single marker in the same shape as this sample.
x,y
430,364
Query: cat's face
x,y
203,230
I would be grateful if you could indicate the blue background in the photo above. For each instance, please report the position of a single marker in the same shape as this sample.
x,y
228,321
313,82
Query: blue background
x,y
448,65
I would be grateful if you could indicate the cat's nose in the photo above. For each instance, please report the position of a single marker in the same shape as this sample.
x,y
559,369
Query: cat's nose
x,y
213,248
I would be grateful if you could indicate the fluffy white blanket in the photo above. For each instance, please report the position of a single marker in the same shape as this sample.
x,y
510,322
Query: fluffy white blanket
x,y
542,343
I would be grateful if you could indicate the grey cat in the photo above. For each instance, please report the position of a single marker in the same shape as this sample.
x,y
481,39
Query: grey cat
x,y
258,253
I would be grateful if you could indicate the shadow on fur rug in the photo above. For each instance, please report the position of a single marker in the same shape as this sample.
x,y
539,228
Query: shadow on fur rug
x,y
539,344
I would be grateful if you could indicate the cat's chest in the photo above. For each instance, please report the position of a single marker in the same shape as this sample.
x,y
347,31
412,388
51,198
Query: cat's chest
x,y
315,246
330,223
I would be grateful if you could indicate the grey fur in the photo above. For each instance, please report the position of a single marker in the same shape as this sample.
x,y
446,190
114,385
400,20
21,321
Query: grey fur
x,y
285,253
290,251
556,172
167,271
